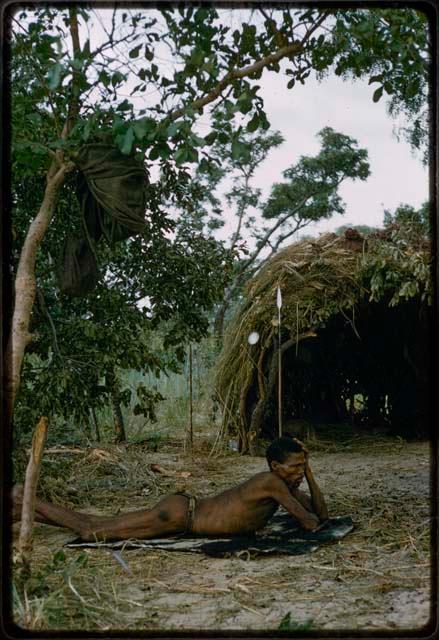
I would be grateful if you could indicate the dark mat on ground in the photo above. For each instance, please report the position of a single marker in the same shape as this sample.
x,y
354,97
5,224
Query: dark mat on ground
x,y
281,535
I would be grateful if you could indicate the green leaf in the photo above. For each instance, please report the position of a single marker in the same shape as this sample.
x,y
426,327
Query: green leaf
x,y
134,53
375,79
210,138
388,88
377,94
204,166
104,78
192,154
164,151
223,137
196,140
173,129
181,155
412,90
143,126
238,149
54,76
117,78
244,106
34,118
119,125
154,153
128,140
253,124
124,106
87,130
77,64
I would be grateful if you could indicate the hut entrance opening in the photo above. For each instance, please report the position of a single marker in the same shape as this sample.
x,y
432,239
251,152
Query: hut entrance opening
x,y
370,372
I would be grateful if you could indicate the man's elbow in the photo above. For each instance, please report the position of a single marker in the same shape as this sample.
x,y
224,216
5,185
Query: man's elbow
x,y
323,514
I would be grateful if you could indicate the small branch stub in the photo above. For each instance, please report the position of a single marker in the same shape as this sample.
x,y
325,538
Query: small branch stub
x,y
29,497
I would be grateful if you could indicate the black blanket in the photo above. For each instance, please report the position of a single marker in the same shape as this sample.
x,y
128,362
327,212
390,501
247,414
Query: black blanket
x,y
281,535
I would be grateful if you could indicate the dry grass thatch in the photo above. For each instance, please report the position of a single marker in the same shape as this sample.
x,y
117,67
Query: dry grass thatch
x,y
319,278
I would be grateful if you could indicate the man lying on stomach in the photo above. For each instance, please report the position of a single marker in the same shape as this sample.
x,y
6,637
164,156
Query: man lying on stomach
x,y
240,510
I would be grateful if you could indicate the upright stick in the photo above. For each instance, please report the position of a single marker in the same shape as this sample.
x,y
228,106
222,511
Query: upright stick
x,y
191,426
29,495
279,393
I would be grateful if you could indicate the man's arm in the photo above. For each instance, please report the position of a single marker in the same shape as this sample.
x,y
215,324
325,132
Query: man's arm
x,y
317,499
280,492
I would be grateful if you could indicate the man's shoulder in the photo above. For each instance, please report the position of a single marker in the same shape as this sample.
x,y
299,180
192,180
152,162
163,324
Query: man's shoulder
x,y
265,478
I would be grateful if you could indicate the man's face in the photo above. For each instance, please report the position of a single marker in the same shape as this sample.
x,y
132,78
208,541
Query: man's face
x,y
292,470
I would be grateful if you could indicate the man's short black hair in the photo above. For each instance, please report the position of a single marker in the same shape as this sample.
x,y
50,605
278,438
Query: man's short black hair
x,y
281,448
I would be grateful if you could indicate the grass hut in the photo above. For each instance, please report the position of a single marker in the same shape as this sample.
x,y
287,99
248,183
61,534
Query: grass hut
x,y
354,339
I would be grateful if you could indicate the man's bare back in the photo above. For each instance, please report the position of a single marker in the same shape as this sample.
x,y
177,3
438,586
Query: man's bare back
x,y
249,506
239,510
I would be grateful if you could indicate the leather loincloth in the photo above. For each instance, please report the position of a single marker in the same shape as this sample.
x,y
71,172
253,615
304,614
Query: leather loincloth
x,y
190,517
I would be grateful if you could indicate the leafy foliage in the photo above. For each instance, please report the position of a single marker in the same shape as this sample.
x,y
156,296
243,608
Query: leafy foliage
x,y
155,282
392,46
401,269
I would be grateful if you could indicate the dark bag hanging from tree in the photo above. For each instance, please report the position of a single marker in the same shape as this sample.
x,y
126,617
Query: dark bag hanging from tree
x,y
112,196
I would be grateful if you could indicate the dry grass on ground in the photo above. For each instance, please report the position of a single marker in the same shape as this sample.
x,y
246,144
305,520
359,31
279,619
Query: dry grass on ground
x,y
378,577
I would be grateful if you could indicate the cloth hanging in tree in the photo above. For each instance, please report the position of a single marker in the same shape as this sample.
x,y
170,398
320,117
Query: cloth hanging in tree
x,y
112,196
111,192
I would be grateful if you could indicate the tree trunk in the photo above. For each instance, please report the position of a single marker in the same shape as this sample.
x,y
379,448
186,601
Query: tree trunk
x,y
96,425
25,285
87,429
119,426
258,412
29,497
25,281
218,324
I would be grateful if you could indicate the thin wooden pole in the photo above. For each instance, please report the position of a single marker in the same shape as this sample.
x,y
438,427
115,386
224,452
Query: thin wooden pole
x,y
279,365
191,408
29,496
280,388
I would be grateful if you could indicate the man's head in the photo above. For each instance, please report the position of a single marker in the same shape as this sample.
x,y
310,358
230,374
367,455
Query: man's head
x,y
286,458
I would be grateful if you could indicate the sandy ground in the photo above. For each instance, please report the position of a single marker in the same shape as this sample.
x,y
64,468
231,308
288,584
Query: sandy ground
x,y
377,578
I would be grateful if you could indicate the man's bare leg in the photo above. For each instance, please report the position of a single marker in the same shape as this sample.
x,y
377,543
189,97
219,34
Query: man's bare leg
x,y
168,517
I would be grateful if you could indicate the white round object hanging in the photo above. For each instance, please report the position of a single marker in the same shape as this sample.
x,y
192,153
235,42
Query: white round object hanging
x,y
253,337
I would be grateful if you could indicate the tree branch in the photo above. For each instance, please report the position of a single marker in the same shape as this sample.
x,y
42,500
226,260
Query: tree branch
x,y
51,323
74,104
313,28
289,50
241,212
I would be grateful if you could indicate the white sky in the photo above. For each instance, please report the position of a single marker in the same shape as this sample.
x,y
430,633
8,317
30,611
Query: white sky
x,y
397,176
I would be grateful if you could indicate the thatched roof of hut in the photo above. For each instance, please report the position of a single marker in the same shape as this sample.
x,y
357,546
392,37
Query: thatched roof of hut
x,y
320,280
